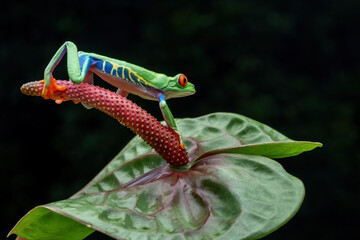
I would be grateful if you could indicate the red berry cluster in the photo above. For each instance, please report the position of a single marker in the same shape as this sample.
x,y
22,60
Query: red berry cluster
x,y
161,138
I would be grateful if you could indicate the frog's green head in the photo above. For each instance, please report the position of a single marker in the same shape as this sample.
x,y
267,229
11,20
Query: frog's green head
x,y
179,86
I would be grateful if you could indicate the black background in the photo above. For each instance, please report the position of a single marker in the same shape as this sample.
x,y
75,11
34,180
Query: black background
x,y
293,65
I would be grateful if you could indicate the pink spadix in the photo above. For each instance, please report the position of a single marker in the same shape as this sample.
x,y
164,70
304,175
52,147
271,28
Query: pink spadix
x,y
161,138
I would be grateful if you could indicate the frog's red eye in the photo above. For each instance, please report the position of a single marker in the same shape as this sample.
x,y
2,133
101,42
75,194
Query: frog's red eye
x,y
183,80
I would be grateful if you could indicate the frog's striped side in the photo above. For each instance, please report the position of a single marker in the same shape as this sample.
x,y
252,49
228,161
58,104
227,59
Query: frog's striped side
x,y
122,72
127,77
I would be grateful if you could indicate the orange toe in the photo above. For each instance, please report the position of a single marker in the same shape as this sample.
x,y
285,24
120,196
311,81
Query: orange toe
x,y
49,91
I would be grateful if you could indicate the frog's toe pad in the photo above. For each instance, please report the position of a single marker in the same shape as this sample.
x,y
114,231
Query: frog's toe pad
x,y
49,91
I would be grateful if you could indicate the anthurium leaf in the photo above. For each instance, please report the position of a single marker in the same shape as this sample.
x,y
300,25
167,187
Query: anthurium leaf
x,y
232,190
225,196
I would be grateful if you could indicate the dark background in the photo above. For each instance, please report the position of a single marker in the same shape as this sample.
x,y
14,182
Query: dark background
x,y
291,64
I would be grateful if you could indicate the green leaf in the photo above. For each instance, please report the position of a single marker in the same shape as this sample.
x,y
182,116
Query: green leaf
x,y
232,191
229,196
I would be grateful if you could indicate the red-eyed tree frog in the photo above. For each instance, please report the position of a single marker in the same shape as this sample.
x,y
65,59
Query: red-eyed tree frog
x,y
127,77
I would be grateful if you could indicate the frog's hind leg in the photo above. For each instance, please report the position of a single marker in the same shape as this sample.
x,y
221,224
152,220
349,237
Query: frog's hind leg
x,y
73,64
75,73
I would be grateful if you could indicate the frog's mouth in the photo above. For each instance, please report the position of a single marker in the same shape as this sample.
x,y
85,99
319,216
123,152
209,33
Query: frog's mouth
x,y
178,94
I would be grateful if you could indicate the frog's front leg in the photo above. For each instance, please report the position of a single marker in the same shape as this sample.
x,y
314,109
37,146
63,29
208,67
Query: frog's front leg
x,y
169,119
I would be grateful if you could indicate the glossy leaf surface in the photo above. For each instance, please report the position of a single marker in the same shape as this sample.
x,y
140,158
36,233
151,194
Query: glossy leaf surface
x,y
225,194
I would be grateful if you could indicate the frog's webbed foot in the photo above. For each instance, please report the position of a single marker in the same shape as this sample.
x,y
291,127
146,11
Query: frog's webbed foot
x,y
49,91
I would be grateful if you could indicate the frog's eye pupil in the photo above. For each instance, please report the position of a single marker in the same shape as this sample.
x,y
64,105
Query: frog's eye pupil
x,y
183,80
